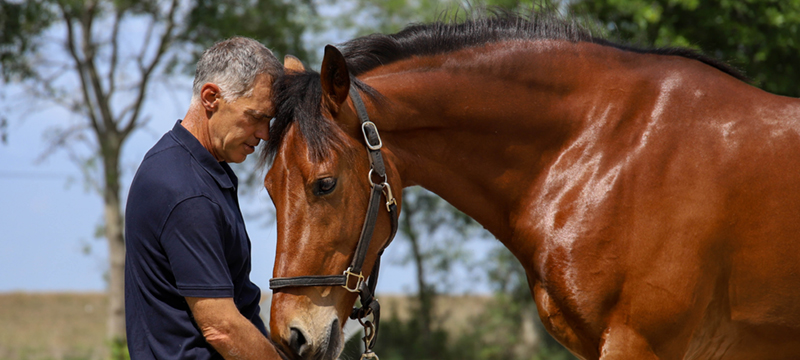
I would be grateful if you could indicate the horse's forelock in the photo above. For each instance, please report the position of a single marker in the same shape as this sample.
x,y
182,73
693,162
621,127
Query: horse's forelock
x,y
298,100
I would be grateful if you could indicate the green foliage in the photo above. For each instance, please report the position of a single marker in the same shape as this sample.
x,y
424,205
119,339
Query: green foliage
x,y
512,306
276,23
436,233
399,340
758,36
20,24
503,330
279,24
495,333
119,349
392,15
507,276
3,130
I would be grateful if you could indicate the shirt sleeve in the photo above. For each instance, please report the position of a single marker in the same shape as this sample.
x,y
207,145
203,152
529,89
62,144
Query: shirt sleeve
x,y
193,240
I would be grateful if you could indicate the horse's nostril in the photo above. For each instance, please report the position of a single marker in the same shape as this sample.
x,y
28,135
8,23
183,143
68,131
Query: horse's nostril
x,y
297,342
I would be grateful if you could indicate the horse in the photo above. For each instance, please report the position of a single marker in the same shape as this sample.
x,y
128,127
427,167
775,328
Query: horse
x,y
651,195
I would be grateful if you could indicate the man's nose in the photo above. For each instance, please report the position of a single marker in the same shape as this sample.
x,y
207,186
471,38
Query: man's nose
x,y
262,132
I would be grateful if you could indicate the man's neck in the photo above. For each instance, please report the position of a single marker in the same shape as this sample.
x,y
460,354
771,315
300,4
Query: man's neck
x,y
196,122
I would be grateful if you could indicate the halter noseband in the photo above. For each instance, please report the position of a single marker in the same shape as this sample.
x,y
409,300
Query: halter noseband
x,y
352,279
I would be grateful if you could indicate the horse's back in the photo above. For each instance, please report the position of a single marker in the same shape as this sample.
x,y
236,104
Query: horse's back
x,y
692,228
763,203
735,212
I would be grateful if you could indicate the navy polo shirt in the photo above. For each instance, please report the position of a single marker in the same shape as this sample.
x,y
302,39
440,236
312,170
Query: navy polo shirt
x,y
184,236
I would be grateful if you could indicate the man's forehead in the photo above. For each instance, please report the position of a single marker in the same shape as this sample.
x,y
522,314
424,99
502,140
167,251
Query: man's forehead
x,y
260,113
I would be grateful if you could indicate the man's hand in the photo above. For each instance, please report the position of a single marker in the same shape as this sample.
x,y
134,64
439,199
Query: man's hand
x,y
230,333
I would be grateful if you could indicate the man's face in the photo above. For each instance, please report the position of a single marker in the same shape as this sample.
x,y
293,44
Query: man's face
x,y
237,127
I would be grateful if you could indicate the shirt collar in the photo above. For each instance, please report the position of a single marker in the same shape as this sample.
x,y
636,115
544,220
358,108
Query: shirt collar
x,y
219,170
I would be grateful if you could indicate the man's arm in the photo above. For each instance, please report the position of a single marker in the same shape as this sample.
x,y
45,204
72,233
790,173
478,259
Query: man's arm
x,y
230,333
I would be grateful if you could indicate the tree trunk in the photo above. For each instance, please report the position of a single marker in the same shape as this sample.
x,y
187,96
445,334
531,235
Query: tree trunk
x,y
116,250
424,295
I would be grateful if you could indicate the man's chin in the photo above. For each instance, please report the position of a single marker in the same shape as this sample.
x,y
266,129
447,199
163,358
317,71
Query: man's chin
x,y
238,160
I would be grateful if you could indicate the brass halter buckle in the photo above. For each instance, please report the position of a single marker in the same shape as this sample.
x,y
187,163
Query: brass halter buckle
x,y
359,280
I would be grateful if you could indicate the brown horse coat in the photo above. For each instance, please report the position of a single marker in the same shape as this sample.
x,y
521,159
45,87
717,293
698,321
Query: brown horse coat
x,y
653,199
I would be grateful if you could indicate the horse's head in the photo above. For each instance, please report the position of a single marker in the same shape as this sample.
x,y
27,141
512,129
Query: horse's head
x,y
319,182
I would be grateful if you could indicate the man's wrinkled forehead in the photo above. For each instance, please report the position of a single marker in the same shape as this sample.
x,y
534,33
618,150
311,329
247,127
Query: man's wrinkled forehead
x,y
259,115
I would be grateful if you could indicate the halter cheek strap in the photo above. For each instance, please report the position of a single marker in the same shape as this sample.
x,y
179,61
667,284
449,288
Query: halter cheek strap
x,y
352,279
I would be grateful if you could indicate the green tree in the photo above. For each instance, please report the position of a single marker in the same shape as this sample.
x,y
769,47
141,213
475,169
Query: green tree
x,y
514,315
98,60
389,16
758,36
436,233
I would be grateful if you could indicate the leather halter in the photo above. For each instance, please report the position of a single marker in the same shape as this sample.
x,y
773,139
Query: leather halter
x,y
352,279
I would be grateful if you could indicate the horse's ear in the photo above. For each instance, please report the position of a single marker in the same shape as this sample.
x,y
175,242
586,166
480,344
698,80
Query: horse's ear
x,y
292,63
335,78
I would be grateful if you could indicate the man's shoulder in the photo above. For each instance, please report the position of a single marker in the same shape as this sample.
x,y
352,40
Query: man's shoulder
x,y
167,175
166,151
166,162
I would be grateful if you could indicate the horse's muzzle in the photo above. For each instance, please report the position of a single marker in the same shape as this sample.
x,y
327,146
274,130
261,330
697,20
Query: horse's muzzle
x,y
303,345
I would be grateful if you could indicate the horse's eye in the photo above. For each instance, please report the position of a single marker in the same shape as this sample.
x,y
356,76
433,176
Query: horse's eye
x,y
324,186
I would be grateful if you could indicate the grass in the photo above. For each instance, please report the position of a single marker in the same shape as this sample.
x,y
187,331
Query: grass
x,y
456,313
71,326
52,326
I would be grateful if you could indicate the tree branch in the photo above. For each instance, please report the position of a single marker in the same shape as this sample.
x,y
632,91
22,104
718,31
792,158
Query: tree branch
x,y
61,140
90,51
114,52
166,38
79,64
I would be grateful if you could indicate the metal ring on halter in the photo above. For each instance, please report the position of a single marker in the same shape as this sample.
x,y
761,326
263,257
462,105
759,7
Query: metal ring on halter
x,y
369,176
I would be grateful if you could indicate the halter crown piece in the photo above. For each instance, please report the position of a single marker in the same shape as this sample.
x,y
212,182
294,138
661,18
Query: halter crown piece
x,y
352,278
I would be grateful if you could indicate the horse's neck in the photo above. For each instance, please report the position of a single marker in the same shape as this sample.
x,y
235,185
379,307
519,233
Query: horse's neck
x,y
478,131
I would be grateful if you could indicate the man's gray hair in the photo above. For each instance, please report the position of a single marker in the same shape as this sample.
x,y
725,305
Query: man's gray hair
x,y
233,65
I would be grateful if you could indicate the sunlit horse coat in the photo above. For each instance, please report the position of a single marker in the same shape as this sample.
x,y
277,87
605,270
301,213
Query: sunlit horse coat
x,y
652,196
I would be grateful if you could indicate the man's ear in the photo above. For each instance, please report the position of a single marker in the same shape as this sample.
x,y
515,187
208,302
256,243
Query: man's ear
x,y
335,79
291,63
209,95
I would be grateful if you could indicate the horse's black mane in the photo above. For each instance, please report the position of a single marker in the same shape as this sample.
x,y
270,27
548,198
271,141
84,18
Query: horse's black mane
x,y
368,52
298,96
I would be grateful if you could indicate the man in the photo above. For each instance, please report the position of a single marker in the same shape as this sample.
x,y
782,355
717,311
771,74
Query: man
x,y
188,293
